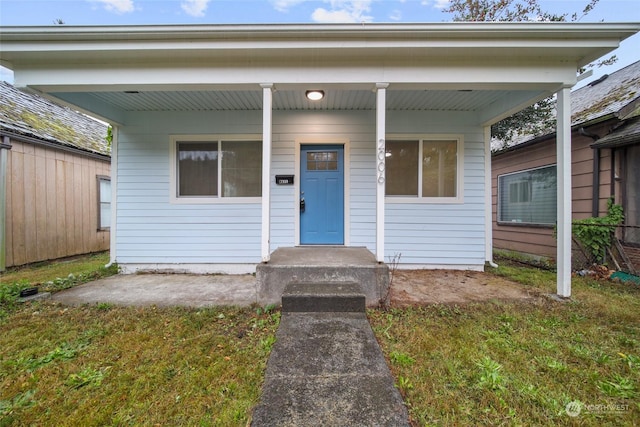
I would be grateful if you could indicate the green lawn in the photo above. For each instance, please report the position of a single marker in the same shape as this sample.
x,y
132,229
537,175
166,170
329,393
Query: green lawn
x,y
496,363
520,363
104,365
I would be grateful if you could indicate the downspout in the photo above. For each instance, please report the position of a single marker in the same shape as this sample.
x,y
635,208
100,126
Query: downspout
x,y
595,196
5,146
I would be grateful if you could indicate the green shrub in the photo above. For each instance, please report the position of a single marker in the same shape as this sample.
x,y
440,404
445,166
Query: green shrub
x,y
595,233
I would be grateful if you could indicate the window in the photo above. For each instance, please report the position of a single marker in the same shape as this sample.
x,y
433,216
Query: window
x,y
213,169
322,160
104,202
528,197
424,168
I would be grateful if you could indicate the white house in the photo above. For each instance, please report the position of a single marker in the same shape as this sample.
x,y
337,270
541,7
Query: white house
x,y
219,158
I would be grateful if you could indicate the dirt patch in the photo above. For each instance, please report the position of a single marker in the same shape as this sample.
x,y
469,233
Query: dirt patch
x,y
418,287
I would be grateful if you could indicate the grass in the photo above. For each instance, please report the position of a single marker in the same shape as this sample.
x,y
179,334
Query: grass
x,y
495,363
106,365
51,277
43,272
519,363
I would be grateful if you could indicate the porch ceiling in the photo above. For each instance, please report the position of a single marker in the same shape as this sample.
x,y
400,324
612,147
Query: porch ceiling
x,y
335,99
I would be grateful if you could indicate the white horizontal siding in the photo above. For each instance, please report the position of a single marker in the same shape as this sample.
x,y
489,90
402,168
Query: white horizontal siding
x,y
440,234
151,230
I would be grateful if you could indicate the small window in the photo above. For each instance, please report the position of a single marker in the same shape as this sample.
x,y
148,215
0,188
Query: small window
x,y
104,203
422,168
528,197
322,161
212,169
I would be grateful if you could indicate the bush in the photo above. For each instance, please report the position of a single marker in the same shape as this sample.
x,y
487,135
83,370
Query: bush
x,y
595,233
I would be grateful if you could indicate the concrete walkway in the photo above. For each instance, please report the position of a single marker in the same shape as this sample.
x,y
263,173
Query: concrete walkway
x,y
326,369
164,290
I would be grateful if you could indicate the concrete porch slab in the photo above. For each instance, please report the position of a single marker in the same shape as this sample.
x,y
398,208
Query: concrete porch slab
x,y
322,264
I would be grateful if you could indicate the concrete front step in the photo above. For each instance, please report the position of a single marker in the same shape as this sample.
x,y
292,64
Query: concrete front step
x,y
323,297
322,265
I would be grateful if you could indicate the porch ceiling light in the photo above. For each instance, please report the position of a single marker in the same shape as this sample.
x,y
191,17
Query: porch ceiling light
x,y
314,95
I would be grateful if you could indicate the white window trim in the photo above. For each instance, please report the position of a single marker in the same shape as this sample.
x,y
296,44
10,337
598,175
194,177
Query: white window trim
x,y
499,221
173,172
459,199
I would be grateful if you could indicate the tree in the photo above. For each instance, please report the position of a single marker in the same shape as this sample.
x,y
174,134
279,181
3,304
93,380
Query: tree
x,y
539,117
510,11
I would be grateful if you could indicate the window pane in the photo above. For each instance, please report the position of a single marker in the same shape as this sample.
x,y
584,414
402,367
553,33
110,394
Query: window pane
x,y
104,193
105,215
401,168
241,169
197,169
439,168
528,197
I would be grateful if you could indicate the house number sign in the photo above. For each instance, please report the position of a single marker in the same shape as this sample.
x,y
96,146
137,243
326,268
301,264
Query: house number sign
x,y
381,161
284,179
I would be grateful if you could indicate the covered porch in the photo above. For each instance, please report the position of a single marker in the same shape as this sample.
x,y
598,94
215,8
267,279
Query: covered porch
x,y
383,84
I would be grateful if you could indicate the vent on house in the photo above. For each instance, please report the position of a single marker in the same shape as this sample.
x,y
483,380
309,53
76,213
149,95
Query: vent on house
x,y
600,80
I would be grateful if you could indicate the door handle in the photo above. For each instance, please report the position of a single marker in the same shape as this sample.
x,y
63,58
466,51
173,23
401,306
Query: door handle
x,y
303,205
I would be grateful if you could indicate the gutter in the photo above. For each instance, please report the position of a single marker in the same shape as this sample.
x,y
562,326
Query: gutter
x,y
55,145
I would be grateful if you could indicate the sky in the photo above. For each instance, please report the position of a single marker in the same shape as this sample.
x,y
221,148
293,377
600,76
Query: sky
x,y
146,12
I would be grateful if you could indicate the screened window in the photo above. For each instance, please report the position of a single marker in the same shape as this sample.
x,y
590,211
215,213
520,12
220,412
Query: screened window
x,y
104,202
528,197
422,168
214,169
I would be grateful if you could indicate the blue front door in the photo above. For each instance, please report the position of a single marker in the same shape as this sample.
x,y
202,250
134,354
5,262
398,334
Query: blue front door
x,y
322,195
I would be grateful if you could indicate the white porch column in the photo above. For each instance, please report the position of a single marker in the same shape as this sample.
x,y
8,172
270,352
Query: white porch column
x,y
381,130
267,100
488,202
113,229
563,149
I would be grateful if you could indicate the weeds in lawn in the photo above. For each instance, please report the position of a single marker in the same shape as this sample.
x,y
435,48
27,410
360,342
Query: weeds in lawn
x,y
87,376
490,376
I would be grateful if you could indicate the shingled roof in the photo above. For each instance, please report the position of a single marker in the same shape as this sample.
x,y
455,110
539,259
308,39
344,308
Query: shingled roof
x,y
36,117
609,96
605,96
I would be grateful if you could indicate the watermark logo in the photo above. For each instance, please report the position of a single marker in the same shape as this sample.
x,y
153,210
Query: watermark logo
x,y
573,408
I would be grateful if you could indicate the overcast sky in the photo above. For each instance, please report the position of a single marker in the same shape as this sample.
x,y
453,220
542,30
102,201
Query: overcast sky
x,y
142,12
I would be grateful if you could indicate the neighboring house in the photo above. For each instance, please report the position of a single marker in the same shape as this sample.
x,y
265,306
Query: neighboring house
x,y
605,135
56,173
220,158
